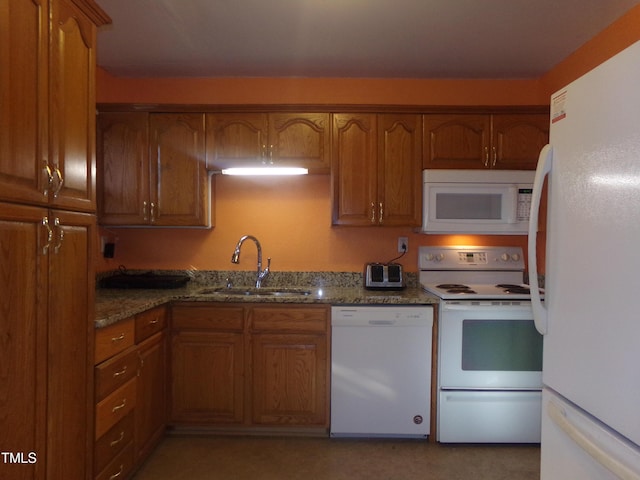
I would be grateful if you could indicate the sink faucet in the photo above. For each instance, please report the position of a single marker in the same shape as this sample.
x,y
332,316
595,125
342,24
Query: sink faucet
x,y
235,258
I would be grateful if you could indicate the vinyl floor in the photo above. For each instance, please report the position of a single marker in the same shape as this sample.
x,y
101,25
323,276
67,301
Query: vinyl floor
x,y
181,457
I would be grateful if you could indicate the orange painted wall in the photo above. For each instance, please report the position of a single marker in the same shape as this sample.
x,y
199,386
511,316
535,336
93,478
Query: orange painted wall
x,y
292,216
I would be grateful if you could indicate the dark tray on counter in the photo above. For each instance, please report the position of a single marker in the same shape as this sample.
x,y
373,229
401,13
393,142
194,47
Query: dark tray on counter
x,y
145,280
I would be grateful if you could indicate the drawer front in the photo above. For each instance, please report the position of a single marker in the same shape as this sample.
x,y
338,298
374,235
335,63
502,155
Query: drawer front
x,y
120,467
113,442
290,319
115,372
114,339
149,323
115,407
208,317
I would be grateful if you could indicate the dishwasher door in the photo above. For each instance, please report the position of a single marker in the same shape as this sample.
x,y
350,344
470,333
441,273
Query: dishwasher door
x,y
381,371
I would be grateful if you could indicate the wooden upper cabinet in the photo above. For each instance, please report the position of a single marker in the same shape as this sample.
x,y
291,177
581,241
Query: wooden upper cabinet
x,y
301,140
179,179
23,101
152,169
501,141
456,141
518,140
284,139
376,169
47,104
354,169
235,139
123,167
72,93
399,169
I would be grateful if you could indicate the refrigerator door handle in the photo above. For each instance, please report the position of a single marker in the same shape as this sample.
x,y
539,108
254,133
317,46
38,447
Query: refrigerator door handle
x,y
544,167
589,443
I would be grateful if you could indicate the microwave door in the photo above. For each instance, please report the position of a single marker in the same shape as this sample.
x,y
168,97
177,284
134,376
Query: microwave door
x,y
471,209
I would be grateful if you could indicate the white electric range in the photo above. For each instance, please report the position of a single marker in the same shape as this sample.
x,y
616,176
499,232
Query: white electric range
x,y
489,352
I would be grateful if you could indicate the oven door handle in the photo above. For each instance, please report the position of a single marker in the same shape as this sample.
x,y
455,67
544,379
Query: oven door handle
x,y
475,306
545,162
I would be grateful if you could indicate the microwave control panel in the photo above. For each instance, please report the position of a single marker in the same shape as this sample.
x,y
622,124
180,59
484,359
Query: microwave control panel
x,y
524,204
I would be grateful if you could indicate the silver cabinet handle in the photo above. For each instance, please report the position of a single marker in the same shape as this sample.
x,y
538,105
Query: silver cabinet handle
x,y
58,227
118,338
120,407
486,156
373,212
57,181
153,212
144,211
118,473
47,176
121,372
45,224
115,442
495,157
381,218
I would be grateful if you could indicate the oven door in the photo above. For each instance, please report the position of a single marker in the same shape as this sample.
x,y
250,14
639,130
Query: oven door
x,y
489,345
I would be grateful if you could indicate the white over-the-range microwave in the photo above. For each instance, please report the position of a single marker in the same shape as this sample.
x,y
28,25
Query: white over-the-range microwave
x,y
477,201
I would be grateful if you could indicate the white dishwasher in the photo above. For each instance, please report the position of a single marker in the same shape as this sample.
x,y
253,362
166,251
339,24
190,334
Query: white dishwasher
x,y
381,371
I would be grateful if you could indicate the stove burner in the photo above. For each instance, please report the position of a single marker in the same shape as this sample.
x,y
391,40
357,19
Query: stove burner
x,y
461,290
447,286
511,288
455,288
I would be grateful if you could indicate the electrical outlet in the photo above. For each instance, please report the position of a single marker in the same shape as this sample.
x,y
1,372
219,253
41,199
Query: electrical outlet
x,y
403,244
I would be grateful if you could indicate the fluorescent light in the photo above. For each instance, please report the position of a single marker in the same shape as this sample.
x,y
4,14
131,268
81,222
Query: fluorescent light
x,y
266,170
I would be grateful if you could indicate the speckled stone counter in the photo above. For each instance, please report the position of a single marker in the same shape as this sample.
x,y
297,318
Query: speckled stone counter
x,y
113,305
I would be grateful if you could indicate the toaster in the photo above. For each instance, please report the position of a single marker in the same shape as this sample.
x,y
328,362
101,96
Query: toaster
x,y
383,276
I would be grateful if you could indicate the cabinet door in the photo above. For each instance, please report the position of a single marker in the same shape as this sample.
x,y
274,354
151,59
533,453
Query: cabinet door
x,y
23,338
457,141
399,169
23,101
123,168
289,379
70,351
207,377
179,180
300,140
72,99
518,139
150,413
236,139
353,170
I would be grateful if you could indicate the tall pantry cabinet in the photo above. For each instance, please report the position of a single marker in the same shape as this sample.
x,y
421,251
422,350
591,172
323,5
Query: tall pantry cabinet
x,y
47,231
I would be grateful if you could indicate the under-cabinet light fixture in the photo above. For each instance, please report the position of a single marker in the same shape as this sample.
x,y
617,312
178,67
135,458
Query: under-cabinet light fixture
x,y
265,170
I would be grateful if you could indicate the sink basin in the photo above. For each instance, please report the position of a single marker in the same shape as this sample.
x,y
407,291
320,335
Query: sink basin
x,y
252,291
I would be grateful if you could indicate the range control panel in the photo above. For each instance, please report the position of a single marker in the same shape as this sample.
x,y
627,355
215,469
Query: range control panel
x,y
470,258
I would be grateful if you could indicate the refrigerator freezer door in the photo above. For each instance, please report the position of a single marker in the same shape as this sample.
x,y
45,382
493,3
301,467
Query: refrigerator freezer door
x,y
592,344
578,446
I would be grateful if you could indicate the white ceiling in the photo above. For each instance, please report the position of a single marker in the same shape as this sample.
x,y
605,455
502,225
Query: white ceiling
x,y
347,38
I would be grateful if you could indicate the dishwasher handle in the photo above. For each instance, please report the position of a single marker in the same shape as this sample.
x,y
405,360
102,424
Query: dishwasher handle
x,y
381,322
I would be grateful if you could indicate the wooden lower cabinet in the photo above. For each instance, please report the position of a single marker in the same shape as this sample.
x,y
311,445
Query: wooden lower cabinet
x,y
249,367
130,393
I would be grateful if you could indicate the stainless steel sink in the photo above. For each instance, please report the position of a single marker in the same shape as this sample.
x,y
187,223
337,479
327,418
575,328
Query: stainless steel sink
x,y
252,291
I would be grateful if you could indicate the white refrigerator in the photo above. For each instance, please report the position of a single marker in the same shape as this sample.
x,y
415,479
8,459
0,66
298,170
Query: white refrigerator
x,y
590,317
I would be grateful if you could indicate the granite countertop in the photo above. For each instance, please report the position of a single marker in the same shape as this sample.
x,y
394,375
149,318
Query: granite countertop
x,y
113,305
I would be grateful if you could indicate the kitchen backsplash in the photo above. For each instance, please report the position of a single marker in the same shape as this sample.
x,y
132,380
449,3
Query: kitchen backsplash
x,y
275,279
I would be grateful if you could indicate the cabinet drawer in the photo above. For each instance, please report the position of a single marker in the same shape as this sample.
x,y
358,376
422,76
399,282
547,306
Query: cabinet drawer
x,y
114,339
115,407
200,317
120,467
113,442
150,322
115,372
289,319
